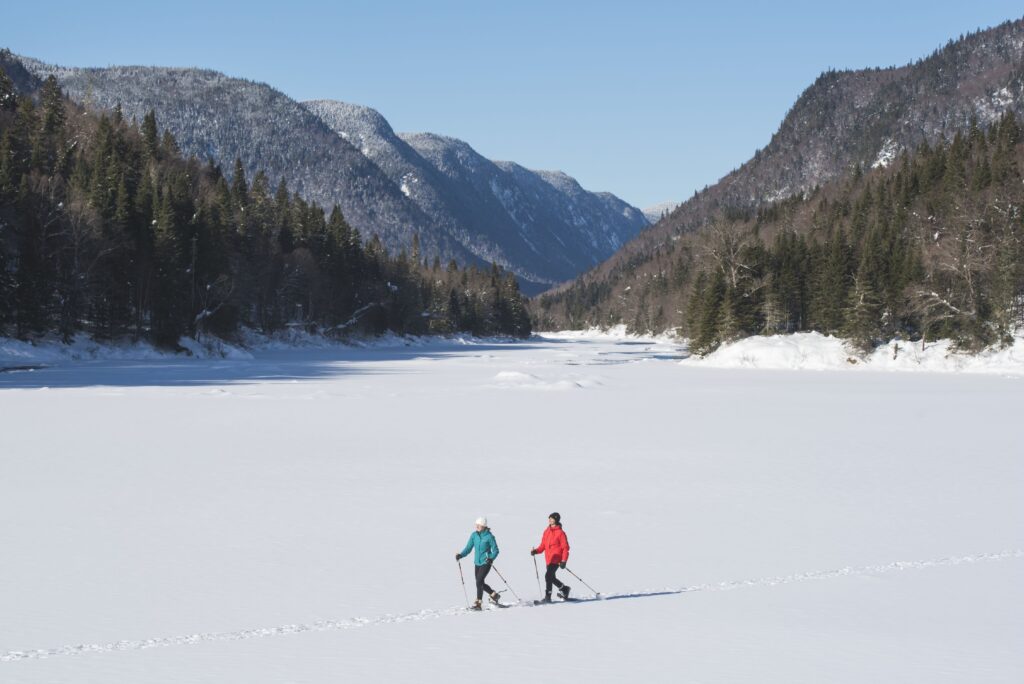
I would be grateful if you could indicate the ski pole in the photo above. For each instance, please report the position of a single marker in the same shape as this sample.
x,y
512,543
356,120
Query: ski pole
x,y
506,582
463,578
596,592
537,573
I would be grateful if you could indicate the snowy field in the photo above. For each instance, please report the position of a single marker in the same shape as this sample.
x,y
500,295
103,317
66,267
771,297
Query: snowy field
x,y
293,516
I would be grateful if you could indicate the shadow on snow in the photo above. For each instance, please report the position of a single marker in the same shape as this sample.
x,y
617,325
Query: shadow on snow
x,y
291,365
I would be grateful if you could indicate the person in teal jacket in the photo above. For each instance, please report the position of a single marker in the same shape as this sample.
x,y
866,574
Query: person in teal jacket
x,y
485,550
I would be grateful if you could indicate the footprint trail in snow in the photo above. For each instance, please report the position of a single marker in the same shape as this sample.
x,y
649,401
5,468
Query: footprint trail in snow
x,y
355,623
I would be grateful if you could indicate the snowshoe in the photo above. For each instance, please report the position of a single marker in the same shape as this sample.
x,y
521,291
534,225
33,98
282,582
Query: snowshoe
x,y
564,592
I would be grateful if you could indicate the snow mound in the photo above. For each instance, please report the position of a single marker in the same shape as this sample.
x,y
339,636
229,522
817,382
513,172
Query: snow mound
x,y
814,351
519,380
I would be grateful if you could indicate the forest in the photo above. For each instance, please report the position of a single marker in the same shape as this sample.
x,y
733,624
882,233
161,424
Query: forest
x,y
106,229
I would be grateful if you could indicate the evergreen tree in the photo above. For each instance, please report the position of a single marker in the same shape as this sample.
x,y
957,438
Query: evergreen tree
x,y
862,320
239,187
150,144
285,238
706,313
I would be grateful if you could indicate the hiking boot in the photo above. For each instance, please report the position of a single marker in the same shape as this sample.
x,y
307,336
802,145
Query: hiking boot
x,y
495,597
547,598
476,605
564,591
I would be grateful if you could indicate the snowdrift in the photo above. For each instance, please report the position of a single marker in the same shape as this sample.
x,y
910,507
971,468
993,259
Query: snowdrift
x,y
814,351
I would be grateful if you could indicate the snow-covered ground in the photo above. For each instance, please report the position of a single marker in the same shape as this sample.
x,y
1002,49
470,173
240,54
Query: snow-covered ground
x,y
290,515
814,351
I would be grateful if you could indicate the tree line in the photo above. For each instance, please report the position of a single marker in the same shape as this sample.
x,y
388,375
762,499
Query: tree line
x,y
105,228
930,247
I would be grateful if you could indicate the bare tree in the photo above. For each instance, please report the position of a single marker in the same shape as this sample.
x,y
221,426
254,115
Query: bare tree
x,y
724,246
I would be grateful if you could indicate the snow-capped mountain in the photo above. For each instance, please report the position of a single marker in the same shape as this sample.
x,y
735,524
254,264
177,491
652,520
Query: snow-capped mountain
x,y
544,228
216,117
659,211
500,211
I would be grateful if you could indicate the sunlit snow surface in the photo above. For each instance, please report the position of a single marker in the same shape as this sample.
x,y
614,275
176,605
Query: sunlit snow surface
x,y
292,517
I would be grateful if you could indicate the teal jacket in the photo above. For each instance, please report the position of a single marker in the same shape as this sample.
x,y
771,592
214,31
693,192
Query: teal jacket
x,y
485,544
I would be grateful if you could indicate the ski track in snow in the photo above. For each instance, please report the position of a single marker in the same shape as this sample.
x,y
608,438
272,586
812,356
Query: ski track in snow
x,y
355,623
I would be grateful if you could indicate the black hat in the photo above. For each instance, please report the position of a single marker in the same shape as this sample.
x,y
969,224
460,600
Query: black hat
x,y
557,517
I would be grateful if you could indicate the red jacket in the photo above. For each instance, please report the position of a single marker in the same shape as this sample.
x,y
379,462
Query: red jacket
x,y
555,545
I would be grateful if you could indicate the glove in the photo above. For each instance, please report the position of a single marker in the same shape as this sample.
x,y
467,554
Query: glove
x,y
562,565
533,552
458,557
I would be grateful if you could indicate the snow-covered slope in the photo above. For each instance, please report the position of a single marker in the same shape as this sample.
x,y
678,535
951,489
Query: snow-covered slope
x,y
541,224
292,517
553,217
658,211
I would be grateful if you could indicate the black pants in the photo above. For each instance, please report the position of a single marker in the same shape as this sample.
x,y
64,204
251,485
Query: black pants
x,y
549,578
481,586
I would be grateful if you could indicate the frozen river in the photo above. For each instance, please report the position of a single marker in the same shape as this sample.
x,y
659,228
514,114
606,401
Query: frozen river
x,y
293,518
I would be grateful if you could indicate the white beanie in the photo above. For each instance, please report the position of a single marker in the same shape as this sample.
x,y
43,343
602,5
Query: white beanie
x,y
482,521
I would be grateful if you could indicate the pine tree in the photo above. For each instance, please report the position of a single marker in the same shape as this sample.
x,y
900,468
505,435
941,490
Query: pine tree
x,y
52,101
282,207
518,317
706,313
239,187
168,308
150,144
862,320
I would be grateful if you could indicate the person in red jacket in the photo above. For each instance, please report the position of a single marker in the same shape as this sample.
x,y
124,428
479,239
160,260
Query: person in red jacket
x,y
555,547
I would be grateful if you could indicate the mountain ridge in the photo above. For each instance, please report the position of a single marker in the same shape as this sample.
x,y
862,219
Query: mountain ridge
x,y
499,209
844,119
220,117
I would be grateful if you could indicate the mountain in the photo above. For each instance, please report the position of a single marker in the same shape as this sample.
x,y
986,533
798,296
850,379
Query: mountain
x,y
334,153
221,118
542,221
548,210
659,211
106,230
844,120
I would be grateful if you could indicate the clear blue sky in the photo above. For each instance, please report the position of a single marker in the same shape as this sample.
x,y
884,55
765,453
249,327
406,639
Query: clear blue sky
x,y
649,100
